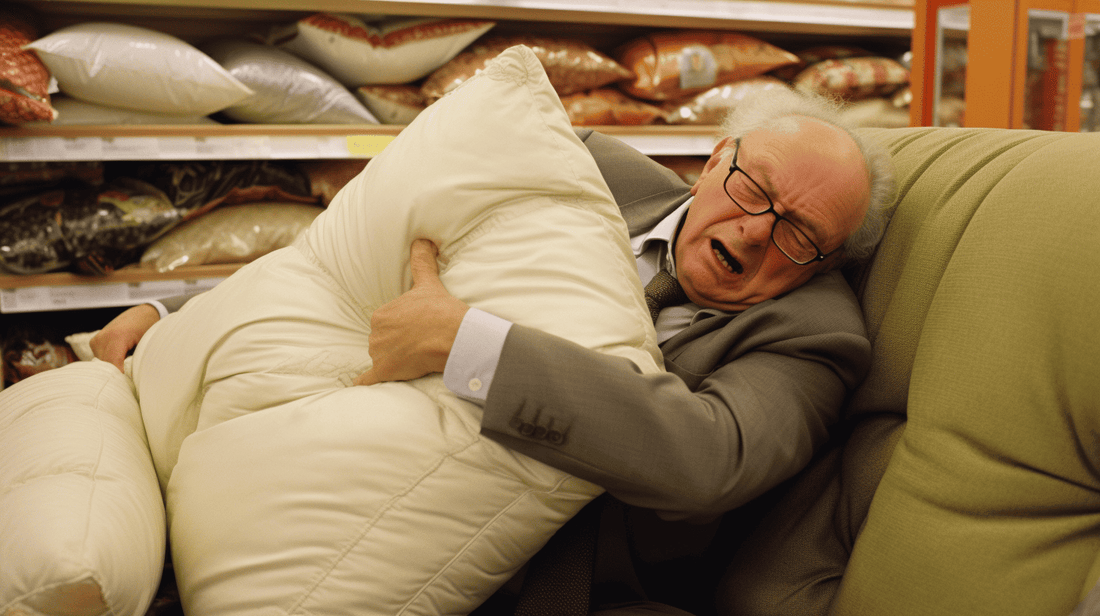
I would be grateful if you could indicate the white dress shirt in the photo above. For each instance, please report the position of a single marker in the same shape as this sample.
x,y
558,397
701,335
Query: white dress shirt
x,y
480,340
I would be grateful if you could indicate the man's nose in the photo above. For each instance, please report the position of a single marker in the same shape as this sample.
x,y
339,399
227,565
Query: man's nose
x,y
757,229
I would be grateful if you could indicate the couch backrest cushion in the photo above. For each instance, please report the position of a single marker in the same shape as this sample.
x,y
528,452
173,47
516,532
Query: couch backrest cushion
x,y
288,490
981,303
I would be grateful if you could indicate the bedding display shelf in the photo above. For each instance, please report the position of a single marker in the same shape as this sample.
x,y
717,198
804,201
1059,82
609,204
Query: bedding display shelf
x,y
843,17
126,287
608,21
256,142
603,23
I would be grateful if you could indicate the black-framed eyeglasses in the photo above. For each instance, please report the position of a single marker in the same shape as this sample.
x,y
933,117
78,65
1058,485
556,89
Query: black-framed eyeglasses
x,y
792,241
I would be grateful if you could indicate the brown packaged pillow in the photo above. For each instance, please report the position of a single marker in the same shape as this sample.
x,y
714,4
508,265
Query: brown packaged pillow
x,y
571,65
392,104
608,107
813,55
24,80
853,79
677,64
328,176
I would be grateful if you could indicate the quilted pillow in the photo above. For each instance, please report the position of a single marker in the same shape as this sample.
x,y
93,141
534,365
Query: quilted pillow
x,y
289,490
82,525
137,68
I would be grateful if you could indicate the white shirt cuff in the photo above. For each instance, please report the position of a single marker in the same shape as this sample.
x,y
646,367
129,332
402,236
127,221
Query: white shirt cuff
x,y
159,306
475,355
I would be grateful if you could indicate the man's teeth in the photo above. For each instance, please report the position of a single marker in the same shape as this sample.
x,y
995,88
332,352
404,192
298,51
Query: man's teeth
x,y
722,259
725,260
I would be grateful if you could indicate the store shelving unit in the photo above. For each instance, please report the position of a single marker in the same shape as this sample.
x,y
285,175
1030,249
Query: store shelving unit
x,y
602,23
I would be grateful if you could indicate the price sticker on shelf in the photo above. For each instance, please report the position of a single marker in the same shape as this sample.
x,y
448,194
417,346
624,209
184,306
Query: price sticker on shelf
x,y
368,145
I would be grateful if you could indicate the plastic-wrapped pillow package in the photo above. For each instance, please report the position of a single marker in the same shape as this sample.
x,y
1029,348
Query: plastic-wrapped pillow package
x,y
815,54
853,79
712,106
673,65
231,234
395,51
137,68
571,65
287,89
24,80
75,112
392,104
608,106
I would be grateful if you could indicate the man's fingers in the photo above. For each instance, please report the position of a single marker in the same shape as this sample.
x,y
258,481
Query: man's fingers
x,y
425,270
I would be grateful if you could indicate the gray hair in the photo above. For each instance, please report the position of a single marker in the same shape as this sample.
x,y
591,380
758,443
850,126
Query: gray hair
x,y
766,109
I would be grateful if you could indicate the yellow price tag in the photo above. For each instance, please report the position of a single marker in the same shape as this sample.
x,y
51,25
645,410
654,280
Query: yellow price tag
x,y
368,145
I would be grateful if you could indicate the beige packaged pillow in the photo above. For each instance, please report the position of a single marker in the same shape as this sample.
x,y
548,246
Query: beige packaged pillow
x,y
230,234
137,68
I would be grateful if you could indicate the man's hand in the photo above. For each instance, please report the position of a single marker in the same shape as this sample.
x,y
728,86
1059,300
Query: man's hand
x,y
117,338
412,336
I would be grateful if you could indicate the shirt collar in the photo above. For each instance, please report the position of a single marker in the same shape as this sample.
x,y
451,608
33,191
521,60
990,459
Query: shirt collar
x,y
664,231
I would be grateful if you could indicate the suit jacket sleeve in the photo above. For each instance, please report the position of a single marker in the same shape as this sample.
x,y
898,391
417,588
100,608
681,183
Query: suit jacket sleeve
x,y
743,406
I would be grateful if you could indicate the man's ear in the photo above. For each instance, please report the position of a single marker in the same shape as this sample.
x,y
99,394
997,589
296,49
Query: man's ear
x,y
714,161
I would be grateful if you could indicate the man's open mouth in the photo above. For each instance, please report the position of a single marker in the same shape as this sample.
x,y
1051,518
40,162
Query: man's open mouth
x,y
732,264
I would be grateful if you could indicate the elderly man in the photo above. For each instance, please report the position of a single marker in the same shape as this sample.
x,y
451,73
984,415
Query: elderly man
x,y
761,346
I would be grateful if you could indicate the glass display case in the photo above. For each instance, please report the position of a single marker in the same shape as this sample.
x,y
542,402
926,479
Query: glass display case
x,y
1020,64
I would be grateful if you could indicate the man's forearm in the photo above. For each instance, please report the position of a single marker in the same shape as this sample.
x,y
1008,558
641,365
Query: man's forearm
x,y
648,439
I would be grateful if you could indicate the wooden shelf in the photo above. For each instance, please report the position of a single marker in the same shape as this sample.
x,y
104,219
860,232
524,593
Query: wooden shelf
x,y
863,18
254,142
126,287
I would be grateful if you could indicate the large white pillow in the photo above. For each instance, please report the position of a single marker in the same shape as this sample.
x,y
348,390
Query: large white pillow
x,y
82,527
119,65
288,490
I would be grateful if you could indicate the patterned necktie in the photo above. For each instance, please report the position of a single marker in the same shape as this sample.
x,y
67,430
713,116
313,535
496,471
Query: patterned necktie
x,y
663,291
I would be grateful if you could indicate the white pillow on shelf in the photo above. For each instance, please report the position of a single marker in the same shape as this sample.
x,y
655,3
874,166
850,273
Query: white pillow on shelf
x,y
290,490
75,112
137,68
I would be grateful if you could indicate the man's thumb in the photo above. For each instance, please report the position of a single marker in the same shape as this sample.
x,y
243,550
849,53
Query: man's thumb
x,y
422,261
367,378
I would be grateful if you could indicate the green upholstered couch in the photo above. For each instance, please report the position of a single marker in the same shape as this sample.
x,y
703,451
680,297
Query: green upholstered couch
x,y
970,482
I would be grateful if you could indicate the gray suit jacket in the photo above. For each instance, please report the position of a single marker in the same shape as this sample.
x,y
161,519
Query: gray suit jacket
x,y
746,401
